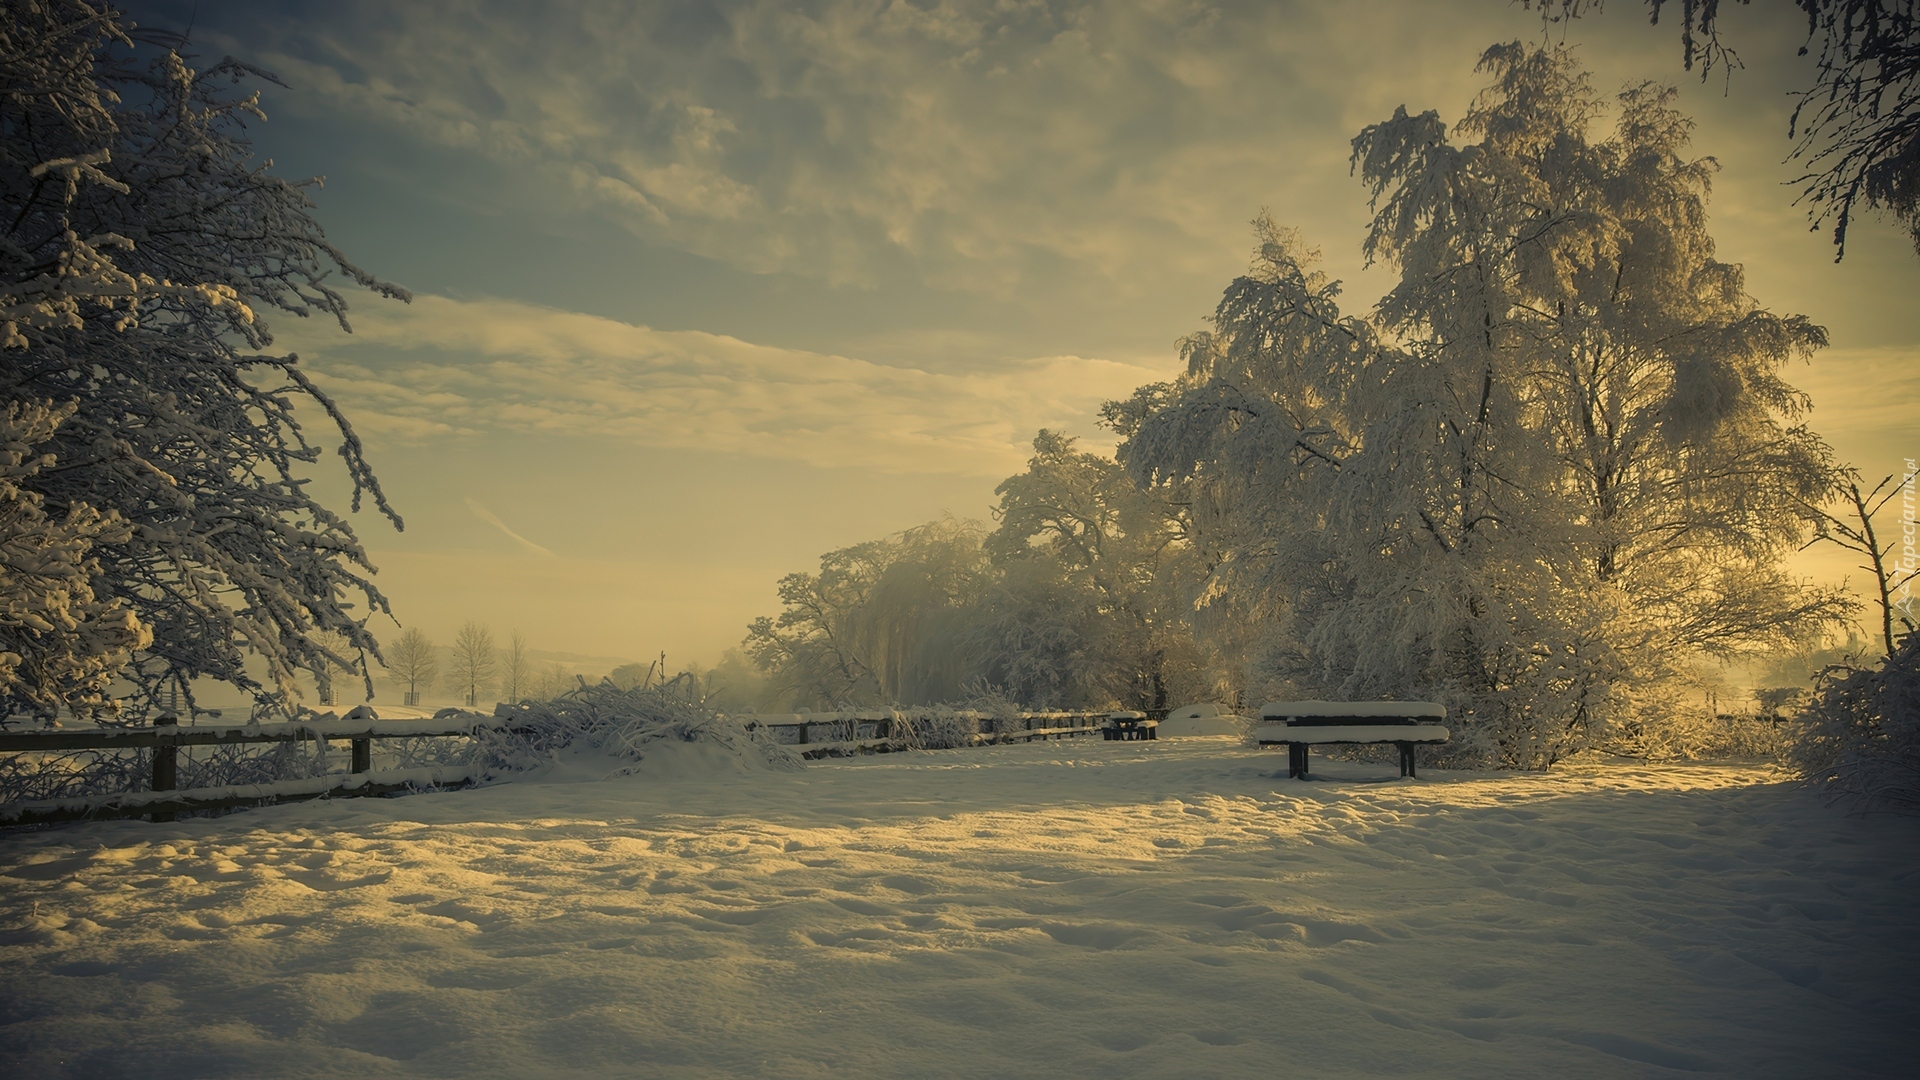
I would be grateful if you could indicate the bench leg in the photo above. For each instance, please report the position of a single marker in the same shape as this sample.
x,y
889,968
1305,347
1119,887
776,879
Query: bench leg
x,y
1406,759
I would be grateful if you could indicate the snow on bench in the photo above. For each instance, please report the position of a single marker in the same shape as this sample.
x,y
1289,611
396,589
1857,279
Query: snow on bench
x,y
1301,724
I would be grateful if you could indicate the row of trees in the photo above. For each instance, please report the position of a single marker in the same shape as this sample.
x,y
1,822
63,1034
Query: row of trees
x,y
474,667
1547,475
1077,597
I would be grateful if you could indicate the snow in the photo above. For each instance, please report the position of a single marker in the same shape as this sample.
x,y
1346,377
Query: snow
x,y
1350,733
1278,710
1203,719
1080,908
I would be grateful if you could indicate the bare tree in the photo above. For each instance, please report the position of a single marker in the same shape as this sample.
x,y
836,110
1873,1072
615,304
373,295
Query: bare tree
x,y
1890,560
414,662
475,662
338,657
551,681
516,668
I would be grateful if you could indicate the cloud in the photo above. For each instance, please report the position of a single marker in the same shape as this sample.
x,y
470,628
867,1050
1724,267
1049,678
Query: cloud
x,y
992,146
1092,162
443,367
492,519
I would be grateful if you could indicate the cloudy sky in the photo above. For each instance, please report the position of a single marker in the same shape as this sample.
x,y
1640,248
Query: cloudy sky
x,y
703,290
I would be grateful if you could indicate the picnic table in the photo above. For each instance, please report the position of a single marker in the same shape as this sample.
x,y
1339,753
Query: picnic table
x,y
1127,725
1302,724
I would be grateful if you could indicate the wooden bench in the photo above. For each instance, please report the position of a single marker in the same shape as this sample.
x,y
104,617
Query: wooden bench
x,y
1303,724
1126,725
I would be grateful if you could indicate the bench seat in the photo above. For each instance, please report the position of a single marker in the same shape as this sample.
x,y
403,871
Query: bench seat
x,y
1298,725
1271,733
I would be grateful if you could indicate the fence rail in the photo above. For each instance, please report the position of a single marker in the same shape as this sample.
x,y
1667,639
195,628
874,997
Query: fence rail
x,y
881,729
861,731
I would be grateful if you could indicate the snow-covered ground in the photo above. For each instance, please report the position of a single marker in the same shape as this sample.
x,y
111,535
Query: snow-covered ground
x,y
1068,909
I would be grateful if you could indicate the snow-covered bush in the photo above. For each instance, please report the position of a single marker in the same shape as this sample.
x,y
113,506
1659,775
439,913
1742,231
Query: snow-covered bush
x,y
937,727
1859,742
256,763
36,777
625,727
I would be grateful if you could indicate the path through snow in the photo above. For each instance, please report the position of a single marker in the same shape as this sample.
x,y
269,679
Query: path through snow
x,y
1074,909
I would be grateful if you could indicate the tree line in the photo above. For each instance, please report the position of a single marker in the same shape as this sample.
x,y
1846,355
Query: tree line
x,y
1555,469
1556,465
472,668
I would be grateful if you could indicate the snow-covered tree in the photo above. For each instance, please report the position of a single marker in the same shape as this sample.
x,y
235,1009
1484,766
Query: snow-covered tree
x,y
142,249
1558,461
1098,577
472,663
413,663
60,644
879,624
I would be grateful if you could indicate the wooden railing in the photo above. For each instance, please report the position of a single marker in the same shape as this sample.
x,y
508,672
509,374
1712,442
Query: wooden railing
x,y
880,730
860,731
162,802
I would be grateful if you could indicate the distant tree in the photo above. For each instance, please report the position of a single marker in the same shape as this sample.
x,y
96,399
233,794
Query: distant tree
x,y
339,661
550,681
736,685
633,676
1771,699
516,668
879,623
472,663
414,662
1857,128
1559,462
141,247
61,645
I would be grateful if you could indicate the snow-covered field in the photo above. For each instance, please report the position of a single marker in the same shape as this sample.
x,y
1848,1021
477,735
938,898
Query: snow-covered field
x,y
1066,909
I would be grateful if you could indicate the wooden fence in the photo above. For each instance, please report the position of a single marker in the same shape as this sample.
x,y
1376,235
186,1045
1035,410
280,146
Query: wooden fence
x,y
864,731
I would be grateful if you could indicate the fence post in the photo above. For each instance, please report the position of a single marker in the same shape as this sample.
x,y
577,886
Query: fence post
x,y
166,762
362,755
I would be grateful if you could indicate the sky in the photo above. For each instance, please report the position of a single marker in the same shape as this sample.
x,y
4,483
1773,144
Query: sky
x,y
704,290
